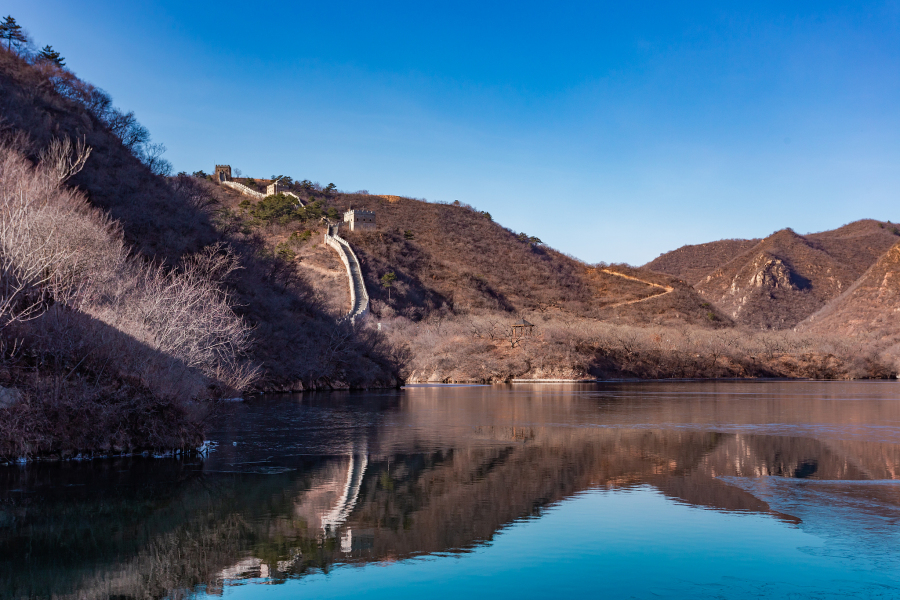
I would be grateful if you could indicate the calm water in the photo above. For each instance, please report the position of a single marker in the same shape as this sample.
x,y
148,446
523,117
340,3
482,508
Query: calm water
x,y
681,490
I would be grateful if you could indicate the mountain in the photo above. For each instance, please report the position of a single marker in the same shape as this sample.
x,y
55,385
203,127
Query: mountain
x,y
166,220
148,308
453,257
693,263
870,307
777,282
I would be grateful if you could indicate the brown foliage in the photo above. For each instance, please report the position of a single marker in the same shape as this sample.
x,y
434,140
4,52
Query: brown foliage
x,y
694,262
777,282
167,220
476,348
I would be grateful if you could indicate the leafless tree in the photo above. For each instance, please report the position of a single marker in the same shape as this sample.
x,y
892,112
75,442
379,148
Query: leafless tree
x,y
62,160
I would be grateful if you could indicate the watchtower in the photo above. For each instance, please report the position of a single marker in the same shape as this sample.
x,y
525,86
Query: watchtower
x,y
360,219
222,173
275,188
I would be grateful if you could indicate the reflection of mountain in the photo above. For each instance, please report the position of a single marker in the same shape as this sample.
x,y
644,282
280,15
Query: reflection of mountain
x,y
438,477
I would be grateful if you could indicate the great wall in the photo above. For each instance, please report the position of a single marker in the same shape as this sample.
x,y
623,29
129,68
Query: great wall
x,y
359,297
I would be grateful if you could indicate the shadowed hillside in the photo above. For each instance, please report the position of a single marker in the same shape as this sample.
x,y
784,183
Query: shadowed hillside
x,y
129,305
166,219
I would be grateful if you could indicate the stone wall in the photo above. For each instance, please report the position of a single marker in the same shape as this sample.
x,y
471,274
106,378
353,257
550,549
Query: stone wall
x,y
240,187
359,297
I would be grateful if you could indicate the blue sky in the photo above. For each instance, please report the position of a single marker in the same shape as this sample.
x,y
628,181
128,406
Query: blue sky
x,y
613,132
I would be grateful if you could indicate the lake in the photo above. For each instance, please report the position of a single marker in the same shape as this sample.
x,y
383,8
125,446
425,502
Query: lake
x,y
622,490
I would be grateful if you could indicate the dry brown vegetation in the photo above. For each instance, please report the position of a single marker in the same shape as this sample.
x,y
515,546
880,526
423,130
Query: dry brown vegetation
x,y
101,350
694,262
166,220
461,280
868,309
454,258
455,298
777,282
483,348
130,299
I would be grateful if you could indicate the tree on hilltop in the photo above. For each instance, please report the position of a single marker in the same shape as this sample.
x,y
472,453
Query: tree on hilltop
x,y
48,54
12,32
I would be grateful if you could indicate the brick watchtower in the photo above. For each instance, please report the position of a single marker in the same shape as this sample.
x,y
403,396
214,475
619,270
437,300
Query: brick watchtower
x,y
359,219
222,173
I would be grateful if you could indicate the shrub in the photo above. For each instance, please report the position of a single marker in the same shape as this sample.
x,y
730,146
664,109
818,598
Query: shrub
x,y
279,208
131,333
284,252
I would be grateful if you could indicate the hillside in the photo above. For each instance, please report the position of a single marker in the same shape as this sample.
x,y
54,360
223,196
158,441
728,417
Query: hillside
x,y
869,308
168,219
859,244
452,259
152,302
461,280
777,282
693,263
454,256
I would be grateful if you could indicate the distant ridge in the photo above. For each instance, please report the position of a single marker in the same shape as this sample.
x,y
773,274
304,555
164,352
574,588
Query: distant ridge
x,y
777,282
693,263
871,306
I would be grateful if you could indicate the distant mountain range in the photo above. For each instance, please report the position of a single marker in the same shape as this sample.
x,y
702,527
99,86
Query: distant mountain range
x,y
788,280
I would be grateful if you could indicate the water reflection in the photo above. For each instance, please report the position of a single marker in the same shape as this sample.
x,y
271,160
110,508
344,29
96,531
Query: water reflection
x,y
301,484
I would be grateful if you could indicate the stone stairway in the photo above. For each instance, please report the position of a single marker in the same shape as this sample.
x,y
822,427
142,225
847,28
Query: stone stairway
x,y
359,298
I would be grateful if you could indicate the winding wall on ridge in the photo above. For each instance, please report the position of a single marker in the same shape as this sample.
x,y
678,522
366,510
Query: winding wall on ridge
x,y
359,298
243,189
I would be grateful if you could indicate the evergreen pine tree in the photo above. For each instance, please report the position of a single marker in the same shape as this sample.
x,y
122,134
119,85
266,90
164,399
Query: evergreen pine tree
x,y
51,55
12,32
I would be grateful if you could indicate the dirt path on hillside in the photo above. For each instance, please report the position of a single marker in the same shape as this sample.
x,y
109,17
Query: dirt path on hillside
x,y
668,289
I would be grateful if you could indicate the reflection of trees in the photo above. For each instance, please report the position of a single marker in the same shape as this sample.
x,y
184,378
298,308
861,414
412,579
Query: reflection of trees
x,y
159,527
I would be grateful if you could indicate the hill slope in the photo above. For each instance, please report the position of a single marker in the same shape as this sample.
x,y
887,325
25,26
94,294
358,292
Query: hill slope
x,y
167,219
453,256
777,282
693,263
870,307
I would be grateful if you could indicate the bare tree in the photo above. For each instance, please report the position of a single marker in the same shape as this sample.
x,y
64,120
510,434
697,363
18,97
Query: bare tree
x,y
60,160
126,127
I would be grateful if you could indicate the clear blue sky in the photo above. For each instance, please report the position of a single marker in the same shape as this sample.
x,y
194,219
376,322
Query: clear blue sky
x,y
612,132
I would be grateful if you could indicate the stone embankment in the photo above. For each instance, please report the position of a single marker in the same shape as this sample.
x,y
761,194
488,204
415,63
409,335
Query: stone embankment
x,y
359,298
